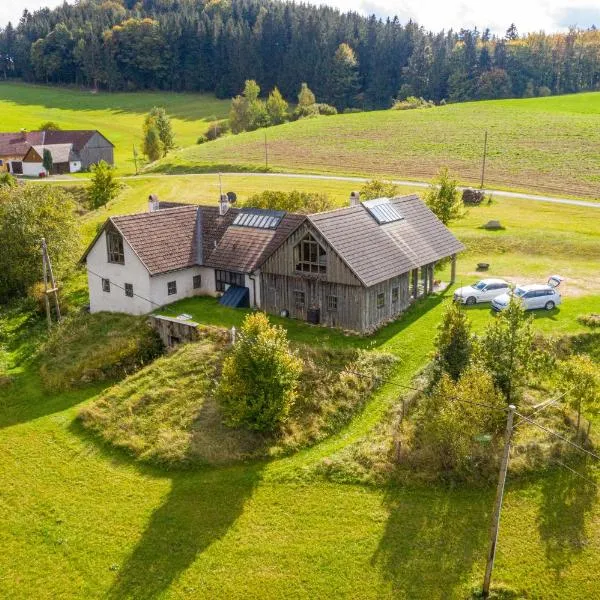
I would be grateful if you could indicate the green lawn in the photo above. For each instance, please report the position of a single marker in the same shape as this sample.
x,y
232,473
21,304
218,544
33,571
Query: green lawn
x,y
80,520
118,116
549,145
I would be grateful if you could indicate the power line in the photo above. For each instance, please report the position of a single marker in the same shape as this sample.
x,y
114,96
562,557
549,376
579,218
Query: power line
x,y
560,437
545,405
558,462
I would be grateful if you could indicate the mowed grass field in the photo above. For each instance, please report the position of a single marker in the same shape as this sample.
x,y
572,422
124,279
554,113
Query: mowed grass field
x,y
118,116
549,145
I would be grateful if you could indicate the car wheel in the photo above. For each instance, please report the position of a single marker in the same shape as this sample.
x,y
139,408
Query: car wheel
x,y
549,305
471,300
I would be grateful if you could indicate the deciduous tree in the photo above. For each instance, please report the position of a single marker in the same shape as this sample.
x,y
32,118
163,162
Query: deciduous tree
x,y
103,187
443,198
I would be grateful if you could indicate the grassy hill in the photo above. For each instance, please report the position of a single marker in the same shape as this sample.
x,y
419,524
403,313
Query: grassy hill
x,y
546,144
118,116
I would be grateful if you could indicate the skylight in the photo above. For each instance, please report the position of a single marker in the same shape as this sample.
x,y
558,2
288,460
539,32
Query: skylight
x,y
382,210
259,218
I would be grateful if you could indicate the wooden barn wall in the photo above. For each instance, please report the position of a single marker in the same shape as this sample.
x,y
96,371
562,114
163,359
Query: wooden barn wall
x,y
281,262
278,292
373,316
97,149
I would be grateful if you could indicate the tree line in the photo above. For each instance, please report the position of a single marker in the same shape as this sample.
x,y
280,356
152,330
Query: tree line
x,y
350,61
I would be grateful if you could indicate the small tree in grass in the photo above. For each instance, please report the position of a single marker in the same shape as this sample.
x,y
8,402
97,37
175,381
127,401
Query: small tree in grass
x,y
152,145
104,187
506,350
158,119
259,378
277,107
453,344
451,433
306,97
378,188
47,161
443,198
580,382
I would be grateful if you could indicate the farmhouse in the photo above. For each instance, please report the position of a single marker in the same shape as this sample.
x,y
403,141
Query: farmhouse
x,y
355,267
22,153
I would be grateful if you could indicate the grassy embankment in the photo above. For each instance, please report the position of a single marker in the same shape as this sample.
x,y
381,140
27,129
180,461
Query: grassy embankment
x,y
548,145
118,116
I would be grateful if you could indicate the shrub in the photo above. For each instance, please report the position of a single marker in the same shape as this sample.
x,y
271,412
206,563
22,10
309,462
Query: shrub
x,y
349,111
102,346
103,187
216,129
260,377
412,102
544,91
202,139
592,320
294,201
6,179
314,110
378,188
449,429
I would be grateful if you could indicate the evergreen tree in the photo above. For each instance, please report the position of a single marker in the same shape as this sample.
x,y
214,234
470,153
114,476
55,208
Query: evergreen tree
x,y
158,119
152,146
47,161
453,343
103,187
343,78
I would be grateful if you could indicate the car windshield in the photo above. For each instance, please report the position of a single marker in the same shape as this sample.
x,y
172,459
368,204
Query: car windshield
x,y
479,285
519,292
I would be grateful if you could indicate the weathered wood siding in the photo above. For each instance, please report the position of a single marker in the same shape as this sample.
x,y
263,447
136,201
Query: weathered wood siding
x,y
278,292
281,262
98,148
374,315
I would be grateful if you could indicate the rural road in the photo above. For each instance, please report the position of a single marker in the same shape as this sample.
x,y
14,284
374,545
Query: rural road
x,y
420,184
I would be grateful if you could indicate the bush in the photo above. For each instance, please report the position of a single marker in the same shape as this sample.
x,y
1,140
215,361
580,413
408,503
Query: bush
x,y
103,346
349,111
6,179
216,129
294,201
314,110
260,377
592,320
378,188
202,139
411,103
544,91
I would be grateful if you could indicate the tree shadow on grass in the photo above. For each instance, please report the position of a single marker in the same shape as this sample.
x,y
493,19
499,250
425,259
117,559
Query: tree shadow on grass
x,y
432,539
567,500
199,510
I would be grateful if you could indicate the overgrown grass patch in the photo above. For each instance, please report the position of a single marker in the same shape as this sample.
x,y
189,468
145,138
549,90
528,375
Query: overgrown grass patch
x,y
86,348
167,413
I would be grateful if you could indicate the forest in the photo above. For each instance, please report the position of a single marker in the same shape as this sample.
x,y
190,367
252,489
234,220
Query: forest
x,y
348,60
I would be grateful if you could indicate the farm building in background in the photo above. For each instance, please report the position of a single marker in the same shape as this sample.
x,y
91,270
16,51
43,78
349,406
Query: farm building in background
x,y
22,153
355,268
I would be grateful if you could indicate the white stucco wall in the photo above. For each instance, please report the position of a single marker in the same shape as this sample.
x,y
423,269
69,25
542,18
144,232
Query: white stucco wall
x,y
33,169
185,289
133,271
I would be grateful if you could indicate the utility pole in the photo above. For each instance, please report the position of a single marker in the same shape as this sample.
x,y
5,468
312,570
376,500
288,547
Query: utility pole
x,y
135,155
266,153
498,506
47,271
484,157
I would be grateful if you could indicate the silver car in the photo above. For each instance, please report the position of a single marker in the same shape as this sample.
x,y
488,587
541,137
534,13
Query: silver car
x,y
484,290
533,296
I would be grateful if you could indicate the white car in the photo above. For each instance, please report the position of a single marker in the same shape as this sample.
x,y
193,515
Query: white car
x,y
532,296
482,291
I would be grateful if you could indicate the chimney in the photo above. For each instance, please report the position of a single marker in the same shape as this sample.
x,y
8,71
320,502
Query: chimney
x,y
223,205
153,203
354,198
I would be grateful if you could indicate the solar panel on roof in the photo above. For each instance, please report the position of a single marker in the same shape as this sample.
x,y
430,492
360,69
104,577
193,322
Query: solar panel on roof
x,y
259,218
382,210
